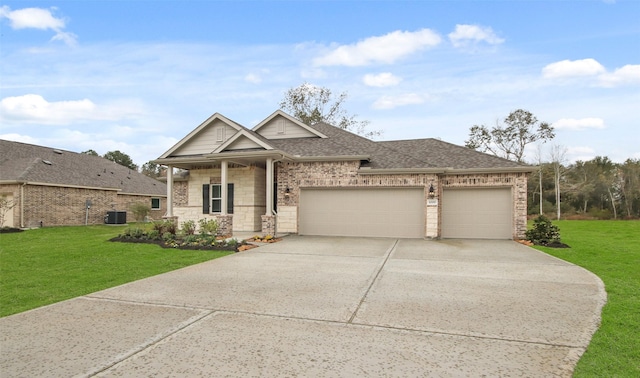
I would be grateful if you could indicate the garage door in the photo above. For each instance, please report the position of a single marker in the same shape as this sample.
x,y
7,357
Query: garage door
x,y
477,213
387,212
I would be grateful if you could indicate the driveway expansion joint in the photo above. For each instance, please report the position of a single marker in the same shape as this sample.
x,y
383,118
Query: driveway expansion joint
x,y
375,278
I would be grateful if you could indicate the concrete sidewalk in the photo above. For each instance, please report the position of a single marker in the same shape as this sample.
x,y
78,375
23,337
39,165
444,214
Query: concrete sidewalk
x,y
316,306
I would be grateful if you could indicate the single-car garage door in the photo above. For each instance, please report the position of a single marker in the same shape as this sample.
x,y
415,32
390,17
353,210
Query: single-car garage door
x,y
384,212
477,213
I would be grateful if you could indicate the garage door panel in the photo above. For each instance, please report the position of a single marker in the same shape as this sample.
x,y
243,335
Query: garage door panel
x,y
384,212
481,213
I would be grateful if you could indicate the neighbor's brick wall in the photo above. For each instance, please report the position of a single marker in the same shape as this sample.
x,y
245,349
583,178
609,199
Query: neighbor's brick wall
x,y
516,181
62,206
125,201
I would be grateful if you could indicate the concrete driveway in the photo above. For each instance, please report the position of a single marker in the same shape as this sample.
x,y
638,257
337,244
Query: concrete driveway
x,y
324,307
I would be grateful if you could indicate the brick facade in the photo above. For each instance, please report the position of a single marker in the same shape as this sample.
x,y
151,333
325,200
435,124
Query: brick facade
x,y
64,206
292,176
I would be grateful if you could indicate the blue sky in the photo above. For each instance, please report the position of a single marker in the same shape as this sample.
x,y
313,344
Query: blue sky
x,y
137,76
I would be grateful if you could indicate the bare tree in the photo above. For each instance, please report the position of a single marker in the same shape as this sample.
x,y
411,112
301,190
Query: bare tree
x,y
522,128
6,205
312,104
558,157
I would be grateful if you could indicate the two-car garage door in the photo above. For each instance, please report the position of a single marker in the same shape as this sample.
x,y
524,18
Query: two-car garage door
x,y
380,212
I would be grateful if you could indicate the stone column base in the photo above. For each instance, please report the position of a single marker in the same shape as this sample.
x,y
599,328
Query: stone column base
x,y
269,225
225,224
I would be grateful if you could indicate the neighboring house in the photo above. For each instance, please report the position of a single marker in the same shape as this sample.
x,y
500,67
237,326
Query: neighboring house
x,y
287,177
52,187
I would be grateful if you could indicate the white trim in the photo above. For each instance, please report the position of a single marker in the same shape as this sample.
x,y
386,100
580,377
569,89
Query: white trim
x,y
236,136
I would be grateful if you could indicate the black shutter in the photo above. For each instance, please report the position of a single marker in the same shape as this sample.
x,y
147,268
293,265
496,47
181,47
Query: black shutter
x,y
206,200
229,198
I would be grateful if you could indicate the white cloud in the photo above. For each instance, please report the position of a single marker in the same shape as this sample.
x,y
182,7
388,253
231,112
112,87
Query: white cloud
x,y
381,49
38,18
35,109
253,78
384,79
579,124
389,102
629,74
573,68
19,138
465,35
583,153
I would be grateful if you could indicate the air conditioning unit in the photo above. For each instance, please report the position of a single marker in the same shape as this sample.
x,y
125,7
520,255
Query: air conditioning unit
x,y
116,217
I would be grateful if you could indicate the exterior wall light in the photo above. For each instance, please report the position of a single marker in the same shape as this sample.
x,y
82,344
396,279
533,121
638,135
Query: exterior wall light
x,y
287,192
432,191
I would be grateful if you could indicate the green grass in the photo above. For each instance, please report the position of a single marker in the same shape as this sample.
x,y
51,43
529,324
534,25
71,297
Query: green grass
x,y
611,250
48,265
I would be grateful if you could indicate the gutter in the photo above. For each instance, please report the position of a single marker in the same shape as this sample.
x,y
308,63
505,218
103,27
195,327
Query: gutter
x,y
444,171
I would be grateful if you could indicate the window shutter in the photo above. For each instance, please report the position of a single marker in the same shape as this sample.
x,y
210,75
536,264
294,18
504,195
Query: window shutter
x,y
229,198
206,200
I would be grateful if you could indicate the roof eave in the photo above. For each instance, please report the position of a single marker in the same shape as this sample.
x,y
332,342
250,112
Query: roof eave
x,y
521,169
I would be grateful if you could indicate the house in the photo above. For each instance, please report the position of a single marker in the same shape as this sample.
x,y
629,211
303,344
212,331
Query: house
x,y
53,187
283,176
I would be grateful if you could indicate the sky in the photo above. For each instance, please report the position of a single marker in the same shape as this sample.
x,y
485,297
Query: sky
x,y
137,76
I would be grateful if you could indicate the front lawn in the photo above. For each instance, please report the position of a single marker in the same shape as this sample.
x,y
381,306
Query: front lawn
x,y
611,250
48,265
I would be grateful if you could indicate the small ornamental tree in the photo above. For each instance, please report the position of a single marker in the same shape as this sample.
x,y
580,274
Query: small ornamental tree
x,y
543,232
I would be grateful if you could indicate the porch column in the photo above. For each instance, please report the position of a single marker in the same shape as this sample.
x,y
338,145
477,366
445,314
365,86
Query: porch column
x,y
268,219
169,191
269,202
223,183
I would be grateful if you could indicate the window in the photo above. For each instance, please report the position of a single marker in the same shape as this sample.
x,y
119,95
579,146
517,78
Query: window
x,y
212,198
216,198
155,203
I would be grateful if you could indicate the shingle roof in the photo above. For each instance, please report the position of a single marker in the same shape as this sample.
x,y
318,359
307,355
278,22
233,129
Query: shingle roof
x,y
21,162
399,154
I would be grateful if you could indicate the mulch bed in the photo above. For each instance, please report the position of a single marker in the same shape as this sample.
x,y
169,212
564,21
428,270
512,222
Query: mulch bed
x,y
162,244
9,230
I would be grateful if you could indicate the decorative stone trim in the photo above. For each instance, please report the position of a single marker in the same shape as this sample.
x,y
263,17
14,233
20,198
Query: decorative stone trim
x,y
225,224
269,225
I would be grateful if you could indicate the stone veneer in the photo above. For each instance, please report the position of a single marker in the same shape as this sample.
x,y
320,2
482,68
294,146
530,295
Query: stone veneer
x,y
249,195
294,176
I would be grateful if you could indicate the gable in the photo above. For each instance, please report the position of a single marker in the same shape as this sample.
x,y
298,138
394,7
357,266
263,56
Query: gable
x,y
243,140
207,140
280,125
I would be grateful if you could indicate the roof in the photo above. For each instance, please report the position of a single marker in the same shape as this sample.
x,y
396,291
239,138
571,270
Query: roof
x,y
28,163
335,143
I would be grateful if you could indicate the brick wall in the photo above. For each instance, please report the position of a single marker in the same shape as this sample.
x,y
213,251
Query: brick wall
x,y
63,206
345,174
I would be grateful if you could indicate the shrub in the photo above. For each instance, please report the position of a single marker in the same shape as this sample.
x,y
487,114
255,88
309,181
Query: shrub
x,y
543,232
168,236
153,235
165,226
140,210
189,227
209,227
